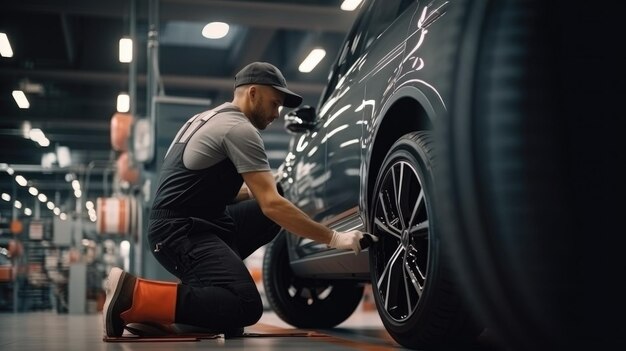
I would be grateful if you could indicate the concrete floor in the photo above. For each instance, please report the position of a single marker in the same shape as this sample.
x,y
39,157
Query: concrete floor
x,y
52,331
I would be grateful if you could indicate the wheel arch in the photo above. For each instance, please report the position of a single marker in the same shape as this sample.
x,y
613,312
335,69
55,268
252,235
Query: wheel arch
x,y
389,126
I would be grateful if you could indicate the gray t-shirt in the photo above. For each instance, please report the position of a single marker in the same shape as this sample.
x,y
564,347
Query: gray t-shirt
x,y
227,135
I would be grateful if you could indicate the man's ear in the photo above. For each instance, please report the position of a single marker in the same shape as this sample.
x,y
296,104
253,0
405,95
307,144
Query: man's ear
x,y
252,91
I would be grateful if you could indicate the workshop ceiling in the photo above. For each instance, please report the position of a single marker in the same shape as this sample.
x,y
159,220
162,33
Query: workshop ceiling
x,y
66,61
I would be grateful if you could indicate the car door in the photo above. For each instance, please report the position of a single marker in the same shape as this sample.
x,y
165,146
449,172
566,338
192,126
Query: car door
x,y
375,52
303,172
341,123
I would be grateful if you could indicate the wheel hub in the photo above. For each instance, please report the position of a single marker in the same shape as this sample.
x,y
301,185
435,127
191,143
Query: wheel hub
x,y
405,239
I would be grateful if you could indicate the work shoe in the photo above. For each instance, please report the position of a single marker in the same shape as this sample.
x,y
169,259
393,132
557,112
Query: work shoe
x,y
135,300
119,298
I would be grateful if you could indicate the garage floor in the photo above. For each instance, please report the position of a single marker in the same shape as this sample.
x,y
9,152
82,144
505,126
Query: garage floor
x,y
52,331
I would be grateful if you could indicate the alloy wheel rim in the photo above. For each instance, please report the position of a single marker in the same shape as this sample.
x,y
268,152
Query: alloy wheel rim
x,y
401,222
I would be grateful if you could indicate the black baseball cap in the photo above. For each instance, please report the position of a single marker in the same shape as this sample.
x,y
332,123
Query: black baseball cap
x,y
264,73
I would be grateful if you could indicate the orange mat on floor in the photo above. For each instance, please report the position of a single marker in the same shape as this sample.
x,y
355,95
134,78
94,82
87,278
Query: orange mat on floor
x,y
257,330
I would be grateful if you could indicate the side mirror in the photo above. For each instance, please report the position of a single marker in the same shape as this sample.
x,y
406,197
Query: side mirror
x,y
301,120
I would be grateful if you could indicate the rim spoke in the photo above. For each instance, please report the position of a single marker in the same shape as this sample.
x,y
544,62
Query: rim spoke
x,y
406,285
416,285
420,199
382,204
389,264
399,195
297,291
387,229
420,227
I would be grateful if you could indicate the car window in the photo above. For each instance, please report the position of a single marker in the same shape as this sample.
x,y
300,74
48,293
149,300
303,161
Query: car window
x,y
375,17
345,57
382,14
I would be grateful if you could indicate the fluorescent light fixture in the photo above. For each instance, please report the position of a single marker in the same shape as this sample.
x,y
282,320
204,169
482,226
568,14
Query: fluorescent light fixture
x,y
28,211
315,56
26,127
123,103
126,50
10,171
5,46
21,180
50,205
350,5
215,30
20,99
36,135
64,158
6,197
17,204
33,191
48,159
42,197
39,137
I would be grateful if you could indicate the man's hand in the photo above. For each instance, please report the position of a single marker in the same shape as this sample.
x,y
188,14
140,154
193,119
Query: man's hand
x,y
349,240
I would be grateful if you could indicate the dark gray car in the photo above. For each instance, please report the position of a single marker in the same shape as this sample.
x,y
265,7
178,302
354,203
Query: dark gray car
x,y
363,159
476,140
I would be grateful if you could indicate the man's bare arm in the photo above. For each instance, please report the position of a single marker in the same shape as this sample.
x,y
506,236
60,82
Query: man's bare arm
x,y
280,210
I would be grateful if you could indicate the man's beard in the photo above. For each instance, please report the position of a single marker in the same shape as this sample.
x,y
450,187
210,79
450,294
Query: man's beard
x,y
256,117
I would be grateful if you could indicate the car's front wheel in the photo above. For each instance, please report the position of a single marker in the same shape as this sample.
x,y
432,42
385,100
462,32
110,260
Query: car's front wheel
x,y
413,287
305,303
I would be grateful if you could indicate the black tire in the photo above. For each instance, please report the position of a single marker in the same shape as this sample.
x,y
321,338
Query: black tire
x,y
530,178
415,296
305,303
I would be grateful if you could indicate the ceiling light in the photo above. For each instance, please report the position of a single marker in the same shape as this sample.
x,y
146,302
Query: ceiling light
x,y
126,50
123,103
89,204
36,135
64,157
56,211
5,46
63,216
6,197
350,5
20,99
42,197
21,180
39,137
33,191
75,184
78,193
28,211
26,127
17,204
50,205
315,56
215,30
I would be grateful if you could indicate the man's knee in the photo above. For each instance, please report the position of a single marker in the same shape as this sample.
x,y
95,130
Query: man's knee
x,y
253,314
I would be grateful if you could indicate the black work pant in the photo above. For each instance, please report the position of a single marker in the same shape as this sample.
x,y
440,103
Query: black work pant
x,y
216,290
